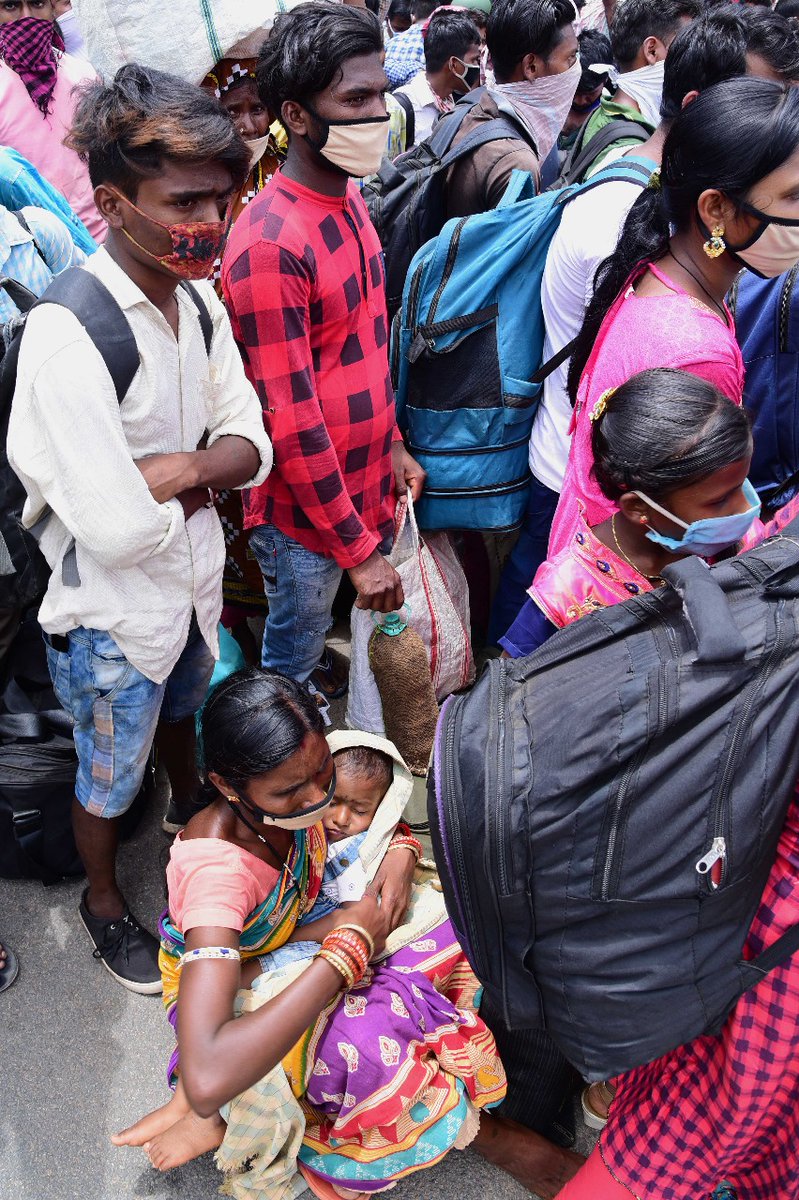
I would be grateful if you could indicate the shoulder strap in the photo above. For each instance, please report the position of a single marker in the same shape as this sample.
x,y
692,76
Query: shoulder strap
x,y
102,318
18,213
618,128
554,362
206,324
492,131
410,117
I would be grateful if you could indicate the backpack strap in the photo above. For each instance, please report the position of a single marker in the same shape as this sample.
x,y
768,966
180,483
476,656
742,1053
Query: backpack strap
x,y
104,321
405,104
632,170
619,127
206,323
492,131
18,213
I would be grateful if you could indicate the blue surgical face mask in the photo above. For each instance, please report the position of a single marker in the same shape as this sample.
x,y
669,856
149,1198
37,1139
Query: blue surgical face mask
x,y
711,535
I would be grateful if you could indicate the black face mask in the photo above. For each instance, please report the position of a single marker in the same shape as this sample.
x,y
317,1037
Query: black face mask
x,y
470,77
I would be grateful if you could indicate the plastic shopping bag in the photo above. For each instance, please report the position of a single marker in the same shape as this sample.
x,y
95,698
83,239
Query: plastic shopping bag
x,y
437,601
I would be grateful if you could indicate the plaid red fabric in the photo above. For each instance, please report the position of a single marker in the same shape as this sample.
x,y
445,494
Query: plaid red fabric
x,y
304,283
721,1115
27,46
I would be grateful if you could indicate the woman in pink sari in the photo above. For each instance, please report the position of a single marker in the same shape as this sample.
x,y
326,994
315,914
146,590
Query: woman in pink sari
x,y
726,197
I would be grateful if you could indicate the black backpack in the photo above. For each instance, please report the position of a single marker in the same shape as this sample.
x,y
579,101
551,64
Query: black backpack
x,y
407,197
582,157
605,812
23,570
38,764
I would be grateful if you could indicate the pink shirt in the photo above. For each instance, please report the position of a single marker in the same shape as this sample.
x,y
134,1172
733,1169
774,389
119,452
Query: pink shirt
x,y
639,333
40,138
213,882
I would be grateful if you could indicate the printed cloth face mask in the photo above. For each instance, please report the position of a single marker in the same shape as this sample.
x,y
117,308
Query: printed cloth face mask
x,y
196,245
543,104
645,86
773,248
355,147
711,535
301,820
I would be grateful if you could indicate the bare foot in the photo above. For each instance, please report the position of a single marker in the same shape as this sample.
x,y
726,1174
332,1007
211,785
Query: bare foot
x,y
155,1123
535,1163
190,1137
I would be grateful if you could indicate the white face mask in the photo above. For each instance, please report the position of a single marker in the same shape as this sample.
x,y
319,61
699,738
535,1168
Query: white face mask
x,y
774,248
645,86
356,147
543,104
257,148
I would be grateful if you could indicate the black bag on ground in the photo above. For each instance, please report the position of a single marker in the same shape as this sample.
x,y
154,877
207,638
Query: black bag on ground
x,y
37,769
407,197
605,812
38,765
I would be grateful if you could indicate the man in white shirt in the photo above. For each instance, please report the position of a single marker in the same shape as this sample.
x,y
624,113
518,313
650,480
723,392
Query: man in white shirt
x,y
719,45
120,489
452,68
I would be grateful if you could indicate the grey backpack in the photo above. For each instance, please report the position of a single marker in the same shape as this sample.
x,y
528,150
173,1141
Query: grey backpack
x,y
605,812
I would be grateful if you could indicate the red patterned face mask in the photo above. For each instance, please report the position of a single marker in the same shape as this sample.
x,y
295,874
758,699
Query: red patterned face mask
x,y
196,245
26,46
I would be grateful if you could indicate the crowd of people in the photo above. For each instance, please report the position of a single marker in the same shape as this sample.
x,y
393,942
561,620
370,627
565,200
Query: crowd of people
x,y
201,414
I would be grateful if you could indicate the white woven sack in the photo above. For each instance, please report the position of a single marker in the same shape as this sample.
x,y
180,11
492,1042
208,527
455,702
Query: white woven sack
x,y
438,609
184,37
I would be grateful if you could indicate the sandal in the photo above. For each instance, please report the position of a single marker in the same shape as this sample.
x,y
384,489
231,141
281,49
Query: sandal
x,y
10,970
332,676
592,1118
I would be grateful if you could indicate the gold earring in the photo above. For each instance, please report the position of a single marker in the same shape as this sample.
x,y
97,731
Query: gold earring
x,y
232,799
715,245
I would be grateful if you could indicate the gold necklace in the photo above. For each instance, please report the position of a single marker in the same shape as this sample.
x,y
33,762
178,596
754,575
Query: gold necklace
x,y
626,557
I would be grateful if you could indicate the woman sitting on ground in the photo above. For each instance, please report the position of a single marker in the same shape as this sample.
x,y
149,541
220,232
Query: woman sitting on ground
x,y
360,1047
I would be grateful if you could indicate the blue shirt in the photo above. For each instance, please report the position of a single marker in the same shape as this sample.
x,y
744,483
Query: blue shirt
x,y
33,258
21,185
404,56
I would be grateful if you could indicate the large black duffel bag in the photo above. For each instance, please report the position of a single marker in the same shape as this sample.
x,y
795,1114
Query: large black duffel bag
x,y
605,812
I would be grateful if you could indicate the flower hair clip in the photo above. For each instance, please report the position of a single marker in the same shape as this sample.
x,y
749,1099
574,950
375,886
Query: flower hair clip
x,y
598,411
654,180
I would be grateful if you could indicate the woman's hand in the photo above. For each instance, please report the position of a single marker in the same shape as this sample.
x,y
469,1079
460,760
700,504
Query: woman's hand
x,y
393,883
371,915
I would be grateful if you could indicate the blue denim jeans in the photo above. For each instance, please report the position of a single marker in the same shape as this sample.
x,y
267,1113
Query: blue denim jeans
x,y
116,709
300,587
527,555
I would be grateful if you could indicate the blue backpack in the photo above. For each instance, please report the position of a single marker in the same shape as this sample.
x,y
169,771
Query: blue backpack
x,y
467,347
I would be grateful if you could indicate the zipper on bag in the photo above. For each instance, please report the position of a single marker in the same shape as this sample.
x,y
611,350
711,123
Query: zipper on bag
x,y
709,865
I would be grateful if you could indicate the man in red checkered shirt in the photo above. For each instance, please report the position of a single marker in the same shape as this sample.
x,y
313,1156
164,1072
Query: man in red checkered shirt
x,y
304,282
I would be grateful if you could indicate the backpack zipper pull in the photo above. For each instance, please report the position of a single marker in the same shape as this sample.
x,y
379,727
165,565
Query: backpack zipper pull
x,y
716,853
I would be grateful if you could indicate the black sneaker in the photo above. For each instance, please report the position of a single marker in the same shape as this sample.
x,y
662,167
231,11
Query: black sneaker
x,y
129,952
